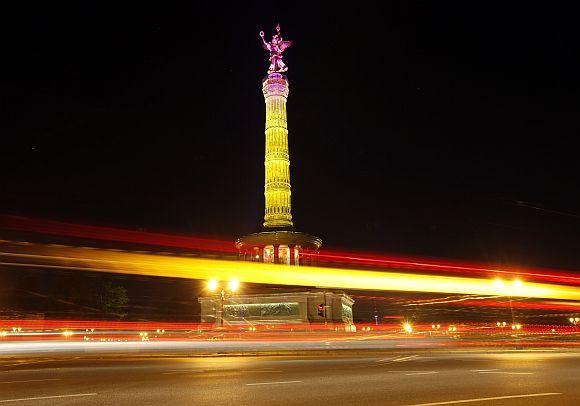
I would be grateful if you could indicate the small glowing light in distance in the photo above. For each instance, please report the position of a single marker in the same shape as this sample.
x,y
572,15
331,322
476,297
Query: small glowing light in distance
x,y
518,283
407,327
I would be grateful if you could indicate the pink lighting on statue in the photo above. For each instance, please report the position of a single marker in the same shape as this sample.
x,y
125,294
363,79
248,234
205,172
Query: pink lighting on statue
x,y
276,46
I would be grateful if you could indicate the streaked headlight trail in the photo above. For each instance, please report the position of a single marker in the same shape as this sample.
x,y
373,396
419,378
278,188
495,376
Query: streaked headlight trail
x,y
100,260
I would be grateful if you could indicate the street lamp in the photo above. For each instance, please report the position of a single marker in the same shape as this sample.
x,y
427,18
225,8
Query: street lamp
x,y
213,285
507,290
515,287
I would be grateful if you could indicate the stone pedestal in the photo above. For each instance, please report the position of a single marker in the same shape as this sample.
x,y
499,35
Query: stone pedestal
x,y
278,308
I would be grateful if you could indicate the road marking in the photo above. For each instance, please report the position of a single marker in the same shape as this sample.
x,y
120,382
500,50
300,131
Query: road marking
x,y
422,373
28,362
195,371
506,373
184,371
49,397
272,383
410,357
32,380
451,402
403,359
385,360
483,370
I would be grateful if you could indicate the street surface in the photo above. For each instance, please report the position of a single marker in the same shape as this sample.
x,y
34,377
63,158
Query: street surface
x,y
403,377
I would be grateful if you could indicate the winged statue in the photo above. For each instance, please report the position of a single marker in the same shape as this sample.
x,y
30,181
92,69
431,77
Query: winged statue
x,y
276,46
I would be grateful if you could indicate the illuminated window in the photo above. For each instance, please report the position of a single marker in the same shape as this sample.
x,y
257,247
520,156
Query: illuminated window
x,y
297,255
284,254
269,253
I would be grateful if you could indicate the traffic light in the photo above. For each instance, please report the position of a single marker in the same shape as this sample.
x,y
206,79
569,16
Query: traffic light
x,y
320,308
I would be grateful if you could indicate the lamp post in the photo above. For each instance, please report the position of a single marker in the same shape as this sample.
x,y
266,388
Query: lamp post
x,y
213,285
507,291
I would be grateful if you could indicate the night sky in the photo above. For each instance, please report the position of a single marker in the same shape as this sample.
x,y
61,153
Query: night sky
x,y
436,130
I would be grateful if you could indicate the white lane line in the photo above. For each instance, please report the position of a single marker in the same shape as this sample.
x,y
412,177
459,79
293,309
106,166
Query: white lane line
x,y
18,371
384,360
451,402
272,383
483,370
403,359
32,380
196,371
188,371
422,373
17,364
77,395
507,373
410,357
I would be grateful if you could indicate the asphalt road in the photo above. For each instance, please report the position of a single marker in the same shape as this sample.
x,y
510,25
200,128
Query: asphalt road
x,y
409,377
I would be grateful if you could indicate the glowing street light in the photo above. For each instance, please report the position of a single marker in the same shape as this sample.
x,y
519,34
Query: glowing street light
x,y
498,283
408,328
233,285
213,286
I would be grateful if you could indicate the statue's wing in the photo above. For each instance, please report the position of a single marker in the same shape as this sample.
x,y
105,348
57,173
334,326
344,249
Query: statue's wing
x,y
284,45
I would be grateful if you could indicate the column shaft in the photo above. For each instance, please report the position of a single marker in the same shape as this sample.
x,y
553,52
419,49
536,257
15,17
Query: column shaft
x,y
277,160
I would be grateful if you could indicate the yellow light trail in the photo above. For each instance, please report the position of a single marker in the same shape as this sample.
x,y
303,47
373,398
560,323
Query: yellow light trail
x,y
100,260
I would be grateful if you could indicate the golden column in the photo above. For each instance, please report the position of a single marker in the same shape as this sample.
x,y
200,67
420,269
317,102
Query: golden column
x,y
279,242
277,163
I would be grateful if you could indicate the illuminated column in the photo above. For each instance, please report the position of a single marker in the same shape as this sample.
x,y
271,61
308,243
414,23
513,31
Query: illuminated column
x,y
277,162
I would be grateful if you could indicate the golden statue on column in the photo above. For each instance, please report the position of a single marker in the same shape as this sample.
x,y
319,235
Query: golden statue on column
x,y
276,46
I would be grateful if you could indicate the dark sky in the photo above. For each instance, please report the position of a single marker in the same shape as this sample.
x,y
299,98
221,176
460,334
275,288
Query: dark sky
x,y
436,130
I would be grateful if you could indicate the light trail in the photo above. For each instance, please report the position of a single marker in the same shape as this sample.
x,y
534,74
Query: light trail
x,y
408,264
98,260
101,233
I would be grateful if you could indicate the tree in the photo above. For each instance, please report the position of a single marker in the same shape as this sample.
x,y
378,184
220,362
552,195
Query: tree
x,y
111,299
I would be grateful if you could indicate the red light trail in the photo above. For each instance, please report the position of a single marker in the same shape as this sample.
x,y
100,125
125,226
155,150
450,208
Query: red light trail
x,y
406,264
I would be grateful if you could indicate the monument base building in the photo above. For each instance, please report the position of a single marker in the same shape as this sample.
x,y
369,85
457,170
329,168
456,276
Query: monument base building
x,y
278,308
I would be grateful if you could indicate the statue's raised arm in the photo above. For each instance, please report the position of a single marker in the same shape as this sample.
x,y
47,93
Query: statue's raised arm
x,y
265,44
276,47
